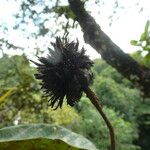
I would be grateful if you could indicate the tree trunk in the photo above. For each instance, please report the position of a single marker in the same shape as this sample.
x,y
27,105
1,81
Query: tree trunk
x,y
109,51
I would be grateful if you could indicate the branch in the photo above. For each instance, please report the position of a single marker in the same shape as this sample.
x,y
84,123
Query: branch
x,y
95,101
109,51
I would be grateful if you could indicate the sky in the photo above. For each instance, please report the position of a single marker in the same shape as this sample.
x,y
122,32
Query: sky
x,y
127,24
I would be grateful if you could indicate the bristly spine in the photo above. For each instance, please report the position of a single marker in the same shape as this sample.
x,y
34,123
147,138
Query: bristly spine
x,y
64,72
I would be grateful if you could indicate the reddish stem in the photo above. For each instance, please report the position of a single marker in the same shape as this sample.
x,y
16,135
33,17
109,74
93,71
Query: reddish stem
x,y
95,101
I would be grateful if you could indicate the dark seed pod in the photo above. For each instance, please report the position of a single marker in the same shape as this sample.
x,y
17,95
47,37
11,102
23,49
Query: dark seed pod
x,y
64,72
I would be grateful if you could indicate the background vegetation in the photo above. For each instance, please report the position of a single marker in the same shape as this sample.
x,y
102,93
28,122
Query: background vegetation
x,y
22,102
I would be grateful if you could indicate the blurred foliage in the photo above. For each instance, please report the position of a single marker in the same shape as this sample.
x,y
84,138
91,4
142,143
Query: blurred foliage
x,y
22,102
118,93
65,10
115,91
123,99
143,54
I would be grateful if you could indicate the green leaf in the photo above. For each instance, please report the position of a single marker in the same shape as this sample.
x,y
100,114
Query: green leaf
x,y
144,35
147,26
147,57
7,94
42,137
134,42
64,10
146,48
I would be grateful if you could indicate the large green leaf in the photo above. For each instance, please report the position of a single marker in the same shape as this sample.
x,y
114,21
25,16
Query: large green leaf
x,y
145,34
134,42
42,137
